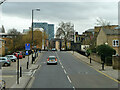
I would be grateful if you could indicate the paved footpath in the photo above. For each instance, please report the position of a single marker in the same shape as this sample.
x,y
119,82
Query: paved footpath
x,y
9,74
109,71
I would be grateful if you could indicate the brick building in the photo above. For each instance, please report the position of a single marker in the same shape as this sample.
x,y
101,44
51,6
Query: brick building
x,y
110,37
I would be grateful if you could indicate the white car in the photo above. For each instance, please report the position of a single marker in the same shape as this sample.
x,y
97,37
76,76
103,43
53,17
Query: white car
x,y
52,60
54,49
5,61
12,57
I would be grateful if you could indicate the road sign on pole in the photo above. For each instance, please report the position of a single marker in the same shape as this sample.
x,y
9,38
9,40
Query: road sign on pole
x,y
27,46
27,52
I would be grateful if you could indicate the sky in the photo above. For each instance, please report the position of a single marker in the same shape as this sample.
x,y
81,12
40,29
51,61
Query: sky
x,y
82,14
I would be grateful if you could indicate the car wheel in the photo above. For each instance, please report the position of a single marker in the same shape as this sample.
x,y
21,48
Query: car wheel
x,y
8,64
47,63
13,60
5,64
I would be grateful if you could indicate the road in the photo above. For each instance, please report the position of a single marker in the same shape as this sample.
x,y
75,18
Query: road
x,y
69,73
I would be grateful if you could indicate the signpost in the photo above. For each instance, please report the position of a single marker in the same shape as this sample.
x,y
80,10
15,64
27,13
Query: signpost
x,y
27,48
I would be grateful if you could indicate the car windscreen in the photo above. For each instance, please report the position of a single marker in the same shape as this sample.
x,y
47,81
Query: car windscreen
x,y
2,58
9,56
51,58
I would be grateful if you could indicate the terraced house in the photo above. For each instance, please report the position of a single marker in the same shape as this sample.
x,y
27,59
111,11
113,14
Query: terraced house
x,y
110,37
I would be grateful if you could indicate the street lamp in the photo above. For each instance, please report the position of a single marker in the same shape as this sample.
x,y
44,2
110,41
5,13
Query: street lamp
x,y
32,29
1,2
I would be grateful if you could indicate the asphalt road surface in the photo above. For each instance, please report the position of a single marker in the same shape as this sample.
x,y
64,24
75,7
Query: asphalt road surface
x,y
69,73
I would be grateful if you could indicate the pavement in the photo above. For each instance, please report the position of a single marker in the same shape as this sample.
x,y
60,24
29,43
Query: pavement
x,y
70,73
108,70
9,74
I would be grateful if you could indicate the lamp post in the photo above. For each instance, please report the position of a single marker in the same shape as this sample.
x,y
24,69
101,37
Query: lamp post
x,y
32,30
1,2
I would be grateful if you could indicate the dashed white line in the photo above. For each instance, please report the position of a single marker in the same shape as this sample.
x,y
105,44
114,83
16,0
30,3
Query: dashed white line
x,y
69,79
65,71
73,88
60,63
62,67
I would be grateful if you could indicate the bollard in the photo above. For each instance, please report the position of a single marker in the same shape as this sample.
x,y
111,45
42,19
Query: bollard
x,y
90,59
27,65
102,65
37,54
32,58
20,71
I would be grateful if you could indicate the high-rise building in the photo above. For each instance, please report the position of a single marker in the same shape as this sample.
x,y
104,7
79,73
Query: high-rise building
x,y
51,31
48,28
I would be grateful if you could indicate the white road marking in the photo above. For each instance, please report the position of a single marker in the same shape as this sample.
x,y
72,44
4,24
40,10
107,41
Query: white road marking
x,y
73,88
65,71
68,78
62,67
33,73
30,70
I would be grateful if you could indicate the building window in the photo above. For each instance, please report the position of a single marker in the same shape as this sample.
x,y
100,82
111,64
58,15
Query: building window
x,y
115,43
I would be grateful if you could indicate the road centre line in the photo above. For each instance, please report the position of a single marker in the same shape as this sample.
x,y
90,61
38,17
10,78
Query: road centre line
x,y
68,78
65,71
62,67
73,88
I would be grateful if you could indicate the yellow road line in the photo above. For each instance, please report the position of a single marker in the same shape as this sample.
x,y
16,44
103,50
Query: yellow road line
x,y
6,76
100,71
107,75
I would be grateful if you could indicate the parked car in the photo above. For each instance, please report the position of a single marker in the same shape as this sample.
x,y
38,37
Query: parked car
x,y
22,52
6,61
12,57
20,55
2,85
52,60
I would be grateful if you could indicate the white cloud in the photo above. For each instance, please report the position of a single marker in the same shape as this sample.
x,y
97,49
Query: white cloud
x,y
82,14
15,22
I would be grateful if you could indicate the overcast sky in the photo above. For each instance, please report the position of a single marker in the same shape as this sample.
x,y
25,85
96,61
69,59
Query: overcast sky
x,y
82,14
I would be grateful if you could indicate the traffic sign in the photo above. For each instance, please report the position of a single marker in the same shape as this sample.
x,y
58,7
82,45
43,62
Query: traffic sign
x,y
27,46
27,53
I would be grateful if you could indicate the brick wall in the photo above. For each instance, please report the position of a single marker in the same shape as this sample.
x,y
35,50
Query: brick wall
x,y
96,57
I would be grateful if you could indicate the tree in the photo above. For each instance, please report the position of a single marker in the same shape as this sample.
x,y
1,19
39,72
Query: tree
x,y
102,22
65,31
105,51
16,38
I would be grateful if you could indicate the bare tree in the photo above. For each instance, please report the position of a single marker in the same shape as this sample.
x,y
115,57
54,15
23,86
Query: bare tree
x,y
65,31
102,22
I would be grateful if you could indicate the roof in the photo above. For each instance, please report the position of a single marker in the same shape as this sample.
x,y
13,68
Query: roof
x,y
52,56
90,30
111,32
